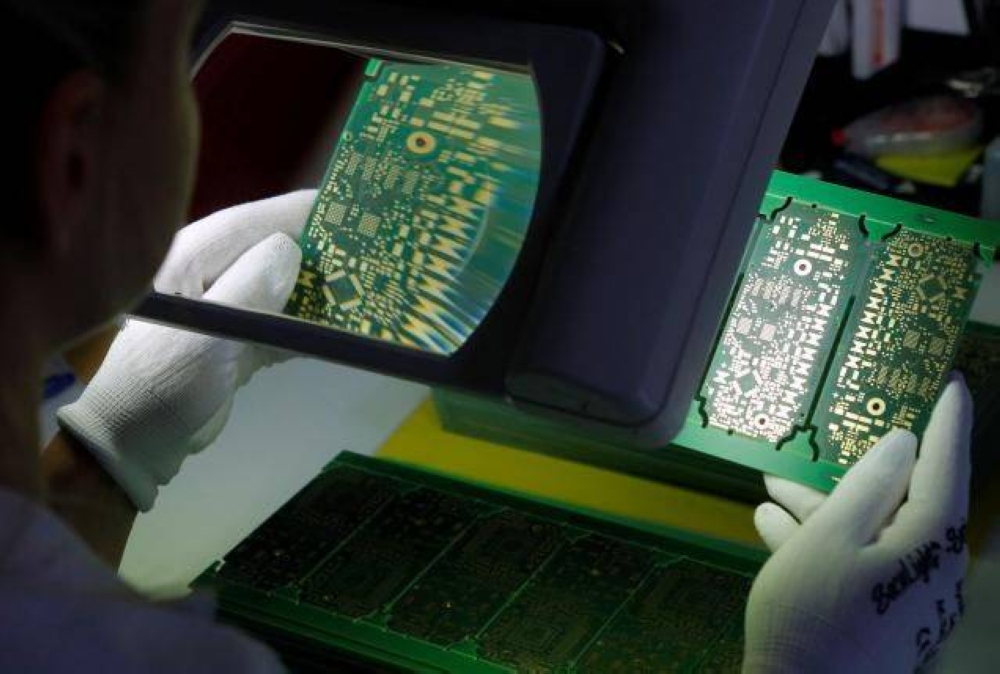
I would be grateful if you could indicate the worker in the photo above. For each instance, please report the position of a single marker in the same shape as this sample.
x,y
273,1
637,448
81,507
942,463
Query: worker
x,y
101,132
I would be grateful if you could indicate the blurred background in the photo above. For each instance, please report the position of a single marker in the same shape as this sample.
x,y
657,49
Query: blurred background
x,y
903,101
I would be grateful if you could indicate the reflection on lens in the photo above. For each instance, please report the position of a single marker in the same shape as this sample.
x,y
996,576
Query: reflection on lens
x,y
425,204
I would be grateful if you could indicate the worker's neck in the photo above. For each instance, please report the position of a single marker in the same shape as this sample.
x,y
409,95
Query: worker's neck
x,y
20,395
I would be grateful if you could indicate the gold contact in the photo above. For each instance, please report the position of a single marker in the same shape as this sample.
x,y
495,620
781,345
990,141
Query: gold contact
x,y
421,142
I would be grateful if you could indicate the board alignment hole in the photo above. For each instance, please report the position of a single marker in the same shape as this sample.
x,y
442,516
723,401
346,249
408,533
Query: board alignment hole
x,y
876,407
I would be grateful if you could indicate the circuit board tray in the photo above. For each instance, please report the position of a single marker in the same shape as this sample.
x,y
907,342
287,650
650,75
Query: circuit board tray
x,y
412,571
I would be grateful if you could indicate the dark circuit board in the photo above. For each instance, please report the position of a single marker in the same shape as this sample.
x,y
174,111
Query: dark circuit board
x,y
843,324
411,571
978,359
425,204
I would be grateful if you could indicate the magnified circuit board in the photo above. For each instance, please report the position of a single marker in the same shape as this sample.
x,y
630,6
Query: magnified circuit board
x,y
425,205
416,572
843,324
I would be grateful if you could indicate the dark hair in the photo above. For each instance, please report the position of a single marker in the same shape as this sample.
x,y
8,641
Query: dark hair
x,y
42,42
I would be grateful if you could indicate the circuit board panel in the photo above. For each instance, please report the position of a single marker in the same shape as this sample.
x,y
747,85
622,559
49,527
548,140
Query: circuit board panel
x,y
381,561
677,616
439,575
294,540
425,204
835,337
767,367
899,344
564,607
456,598
844,322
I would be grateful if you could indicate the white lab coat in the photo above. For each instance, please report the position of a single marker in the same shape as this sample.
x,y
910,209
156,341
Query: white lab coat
x,y
62,609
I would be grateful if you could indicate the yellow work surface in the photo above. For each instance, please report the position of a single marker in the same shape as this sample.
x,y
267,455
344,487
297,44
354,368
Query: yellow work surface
x,y
420,441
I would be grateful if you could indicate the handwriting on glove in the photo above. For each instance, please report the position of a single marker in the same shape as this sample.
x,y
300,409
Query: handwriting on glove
x,y
870,577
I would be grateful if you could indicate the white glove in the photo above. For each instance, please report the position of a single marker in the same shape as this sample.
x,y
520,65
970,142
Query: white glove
x,y
865,584
163,394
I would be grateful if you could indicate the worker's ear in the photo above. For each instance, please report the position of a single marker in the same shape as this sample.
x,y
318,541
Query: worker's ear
x,y
68,180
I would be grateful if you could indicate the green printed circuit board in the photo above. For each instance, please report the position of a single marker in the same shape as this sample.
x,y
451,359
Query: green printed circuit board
x,y
425,205
412,571
844,322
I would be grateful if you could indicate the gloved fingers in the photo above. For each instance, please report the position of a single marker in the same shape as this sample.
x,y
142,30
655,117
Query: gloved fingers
x,y
266,356
774,524
255,358
870,492
801,501
204,250
209,431
262,278
941,476
939,490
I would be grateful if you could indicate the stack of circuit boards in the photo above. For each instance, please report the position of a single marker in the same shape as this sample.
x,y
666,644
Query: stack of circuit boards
x,y
409,571
846,316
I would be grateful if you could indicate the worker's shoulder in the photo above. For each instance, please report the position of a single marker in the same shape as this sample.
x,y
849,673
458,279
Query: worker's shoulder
x,y
61,608
50,629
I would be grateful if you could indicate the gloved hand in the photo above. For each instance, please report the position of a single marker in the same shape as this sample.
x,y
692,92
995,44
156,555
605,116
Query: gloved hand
x,y
162,394
858,582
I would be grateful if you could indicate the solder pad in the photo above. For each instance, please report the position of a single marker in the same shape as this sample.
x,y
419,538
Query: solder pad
x,y
843,324
425,204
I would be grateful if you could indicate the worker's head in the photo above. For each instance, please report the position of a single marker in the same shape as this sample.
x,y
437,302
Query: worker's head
x,y
101,136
